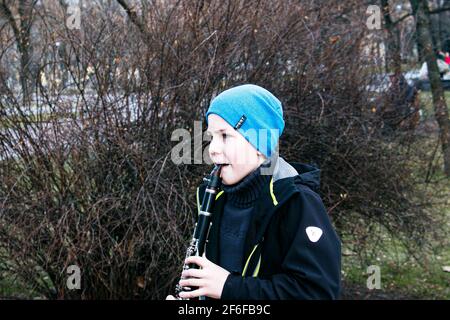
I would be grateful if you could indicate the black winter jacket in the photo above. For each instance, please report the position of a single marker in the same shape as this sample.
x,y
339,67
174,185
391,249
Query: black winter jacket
x,y
291,249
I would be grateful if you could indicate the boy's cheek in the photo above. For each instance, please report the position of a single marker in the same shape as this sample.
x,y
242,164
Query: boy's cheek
x,y
234,174
230,175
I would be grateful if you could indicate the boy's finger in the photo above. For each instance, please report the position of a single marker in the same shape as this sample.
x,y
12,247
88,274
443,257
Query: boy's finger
x,y
192,294
192,282
201,262
195,273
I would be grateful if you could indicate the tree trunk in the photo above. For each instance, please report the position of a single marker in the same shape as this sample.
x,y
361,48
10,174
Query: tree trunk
x,y
440,27
393,56
434,29
24,49
22,31
423,25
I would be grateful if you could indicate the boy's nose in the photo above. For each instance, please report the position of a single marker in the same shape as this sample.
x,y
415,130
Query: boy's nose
x,y
215,148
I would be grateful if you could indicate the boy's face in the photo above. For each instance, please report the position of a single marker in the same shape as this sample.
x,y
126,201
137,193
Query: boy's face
x,y
229,147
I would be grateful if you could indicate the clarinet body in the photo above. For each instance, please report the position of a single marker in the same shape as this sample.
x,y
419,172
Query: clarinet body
x,y
197,245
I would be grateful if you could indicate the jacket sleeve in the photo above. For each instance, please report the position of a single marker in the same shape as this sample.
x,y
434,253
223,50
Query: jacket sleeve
x,y
312,265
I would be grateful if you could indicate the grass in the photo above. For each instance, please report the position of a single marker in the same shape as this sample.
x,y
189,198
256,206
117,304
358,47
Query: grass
x,y
402,275
426,100
11,288
407,278
399,273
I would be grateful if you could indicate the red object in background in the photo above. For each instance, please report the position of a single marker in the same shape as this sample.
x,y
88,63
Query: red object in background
x,y
447,59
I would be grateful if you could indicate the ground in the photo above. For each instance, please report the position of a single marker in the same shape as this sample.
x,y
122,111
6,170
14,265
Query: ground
x,y
360,292
401,276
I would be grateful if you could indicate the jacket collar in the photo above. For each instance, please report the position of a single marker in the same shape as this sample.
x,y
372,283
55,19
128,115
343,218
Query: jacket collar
x,y
285,182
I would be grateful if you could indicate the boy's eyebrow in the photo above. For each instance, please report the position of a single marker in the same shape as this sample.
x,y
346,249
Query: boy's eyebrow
x,y
220,130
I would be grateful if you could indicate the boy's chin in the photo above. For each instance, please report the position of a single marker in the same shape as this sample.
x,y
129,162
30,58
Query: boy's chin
x,y
227,176
231,174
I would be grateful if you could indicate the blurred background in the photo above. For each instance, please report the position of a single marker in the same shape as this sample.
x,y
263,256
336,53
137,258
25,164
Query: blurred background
x,y
91,92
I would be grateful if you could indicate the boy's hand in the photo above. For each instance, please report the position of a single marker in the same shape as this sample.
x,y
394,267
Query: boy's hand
x,y
210,279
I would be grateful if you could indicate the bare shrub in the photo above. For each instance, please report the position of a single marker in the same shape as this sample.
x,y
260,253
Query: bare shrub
x,y
86,173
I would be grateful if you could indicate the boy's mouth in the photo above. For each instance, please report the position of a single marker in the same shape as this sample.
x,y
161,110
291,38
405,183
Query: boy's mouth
x,y
223,164
224,167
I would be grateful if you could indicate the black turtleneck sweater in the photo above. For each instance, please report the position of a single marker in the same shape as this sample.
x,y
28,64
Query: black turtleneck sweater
x,y
237,214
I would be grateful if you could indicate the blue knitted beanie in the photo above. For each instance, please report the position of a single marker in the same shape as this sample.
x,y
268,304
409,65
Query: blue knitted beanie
x,y
255,112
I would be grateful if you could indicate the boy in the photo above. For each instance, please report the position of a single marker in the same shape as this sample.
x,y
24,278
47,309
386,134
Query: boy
x,y
271,237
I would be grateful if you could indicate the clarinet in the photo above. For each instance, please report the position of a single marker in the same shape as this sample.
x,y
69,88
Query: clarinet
x,y
201,230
